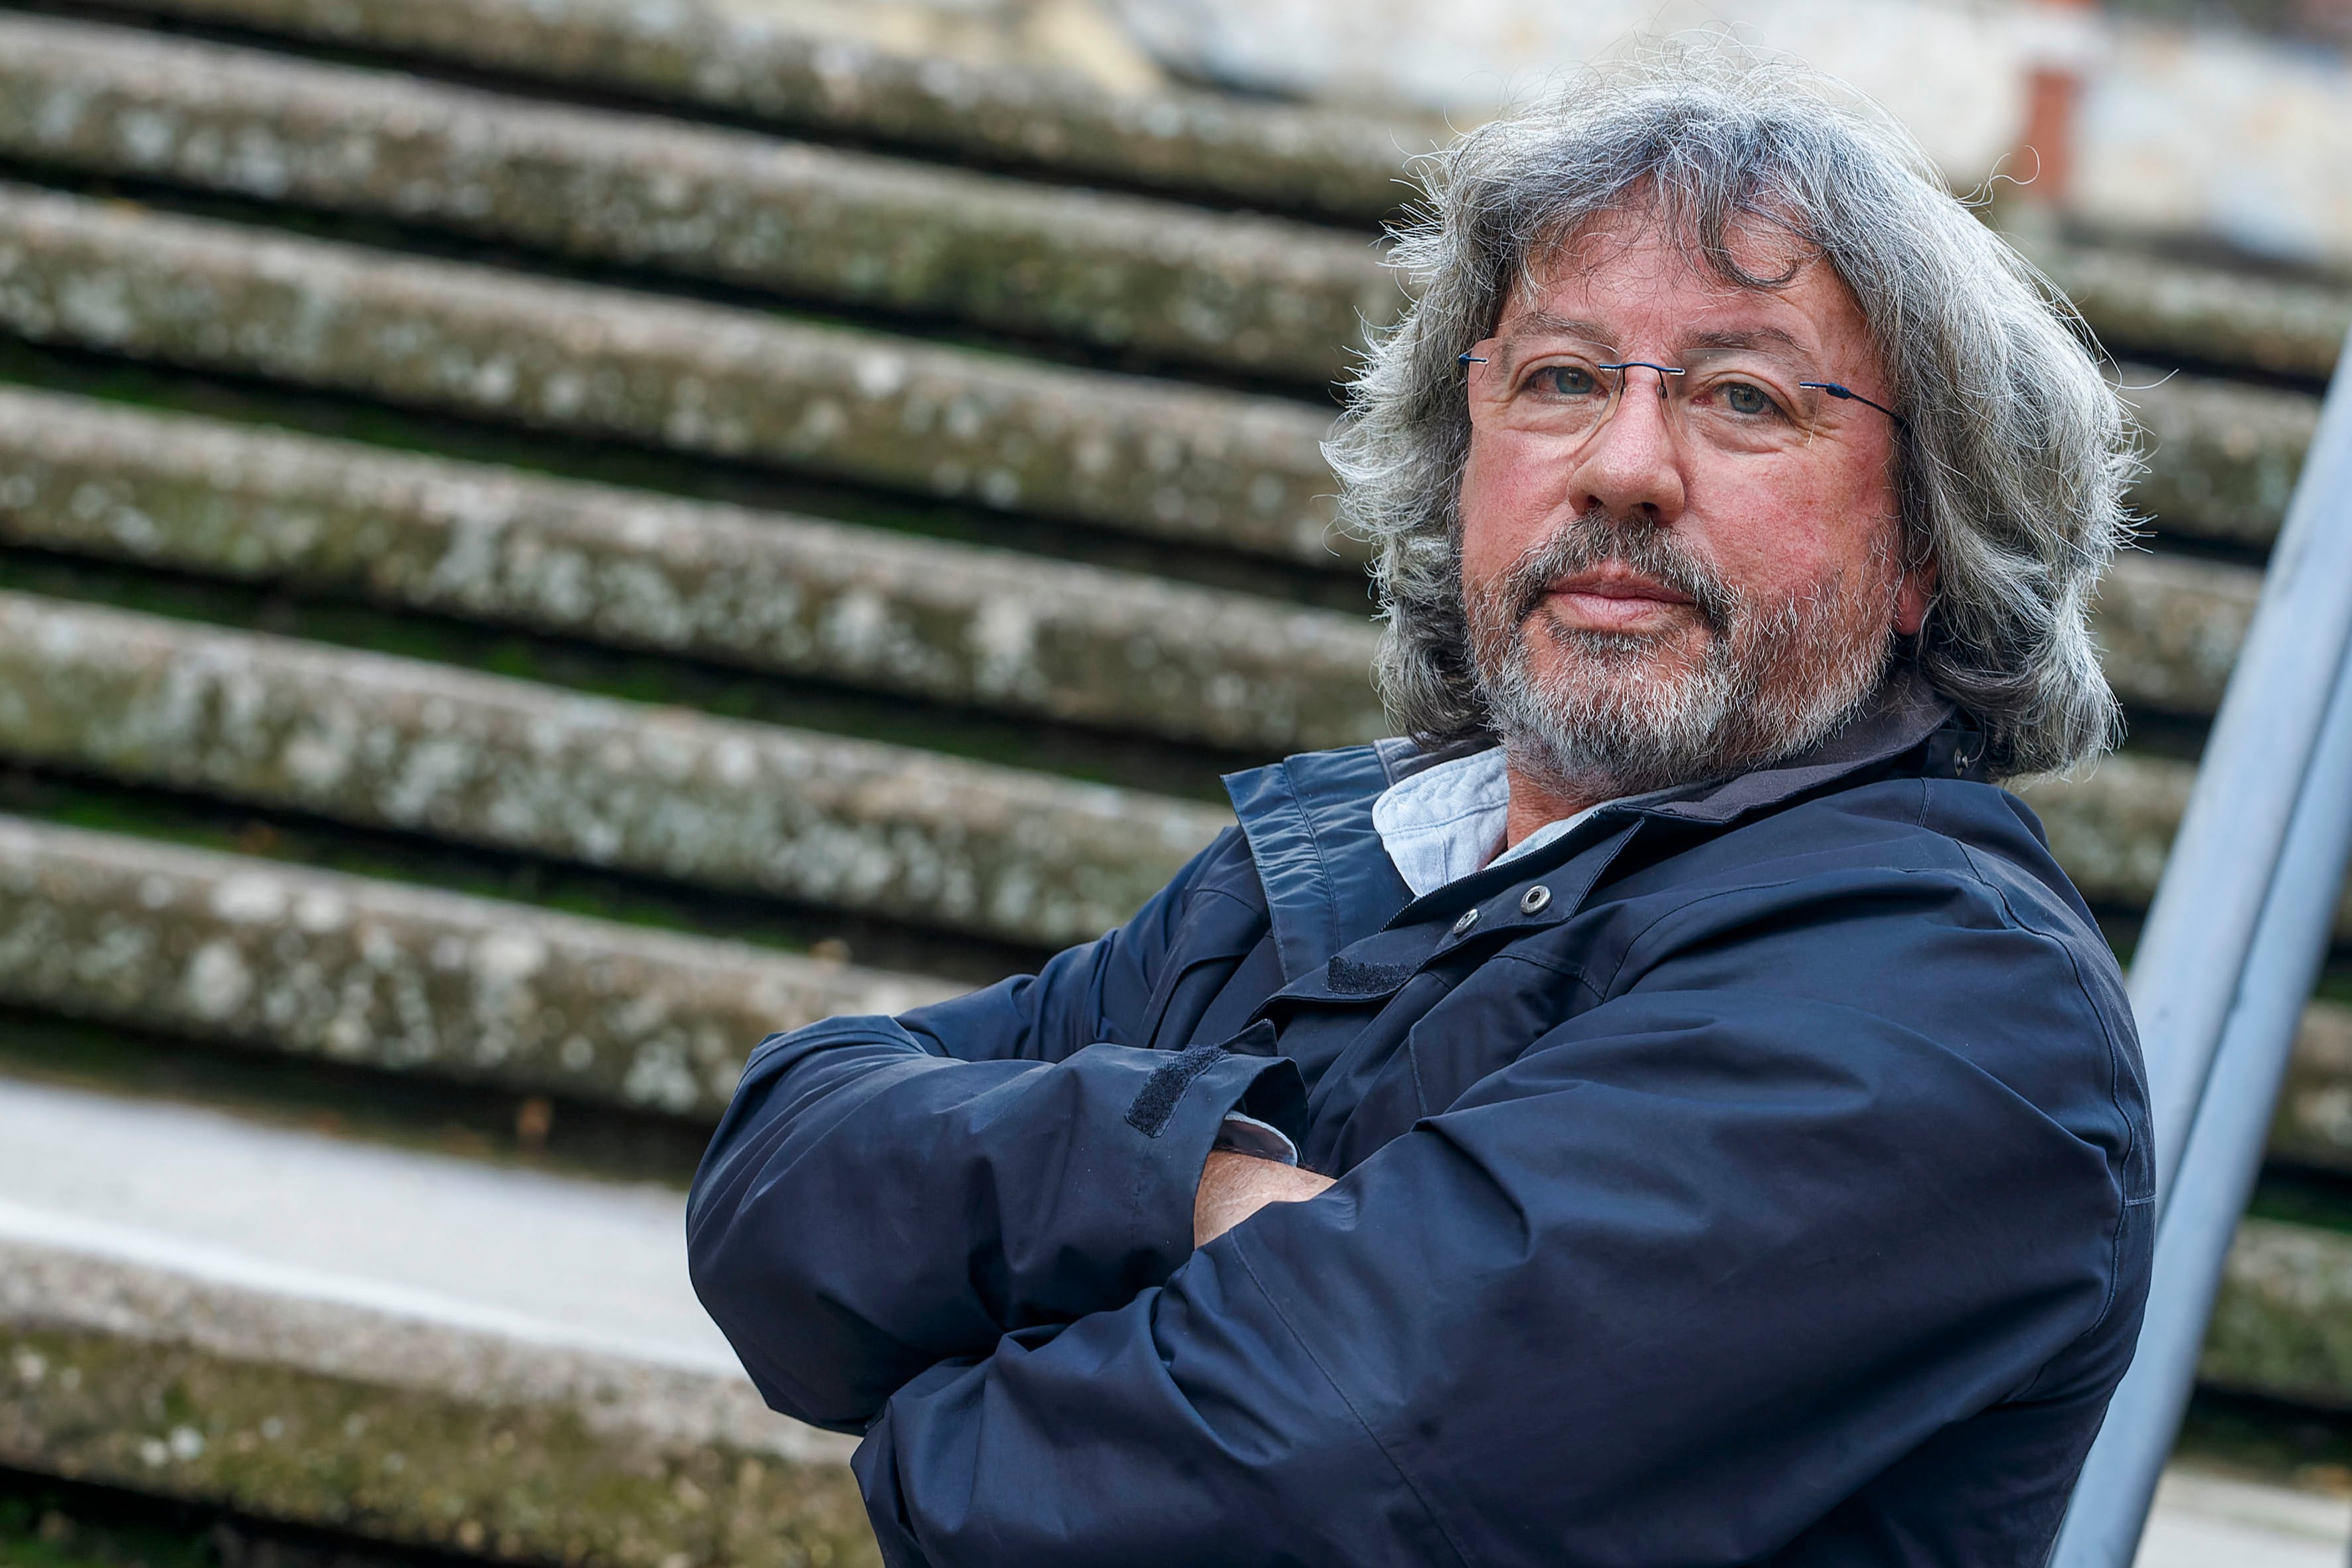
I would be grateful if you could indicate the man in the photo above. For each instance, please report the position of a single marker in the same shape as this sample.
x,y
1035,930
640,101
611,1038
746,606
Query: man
x,y
1718,1125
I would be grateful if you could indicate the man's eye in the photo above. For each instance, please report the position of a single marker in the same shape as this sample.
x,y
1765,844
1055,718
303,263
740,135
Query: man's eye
x,y
1568,380
1741,397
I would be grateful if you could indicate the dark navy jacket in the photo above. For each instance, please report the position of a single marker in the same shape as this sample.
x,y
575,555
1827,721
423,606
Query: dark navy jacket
x,y
1775,1191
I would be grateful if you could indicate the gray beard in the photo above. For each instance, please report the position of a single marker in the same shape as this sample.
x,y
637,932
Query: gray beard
x,y
1624,714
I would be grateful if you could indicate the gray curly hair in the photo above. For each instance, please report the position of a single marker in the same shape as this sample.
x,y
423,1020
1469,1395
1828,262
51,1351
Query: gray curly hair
x,y
2012,479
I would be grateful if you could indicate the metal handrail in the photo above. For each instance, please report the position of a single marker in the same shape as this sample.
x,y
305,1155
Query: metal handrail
x,y
2231,952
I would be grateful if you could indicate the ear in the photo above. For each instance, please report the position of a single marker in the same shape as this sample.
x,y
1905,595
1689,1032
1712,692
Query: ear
x,y
1917,592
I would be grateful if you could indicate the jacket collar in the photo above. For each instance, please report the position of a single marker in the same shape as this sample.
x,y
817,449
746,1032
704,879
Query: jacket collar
x,y
1329,884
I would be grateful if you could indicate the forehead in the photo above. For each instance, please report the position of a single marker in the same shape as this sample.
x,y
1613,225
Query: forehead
x,y
1642,283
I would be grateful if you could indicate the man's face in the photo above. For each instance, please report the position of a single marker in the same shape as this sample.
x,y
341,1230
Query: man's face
x,y
1710,575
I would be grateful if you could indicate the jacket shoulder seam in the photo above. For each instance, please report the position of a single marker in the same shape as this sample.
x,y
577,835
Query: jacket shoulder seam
x,y
1683,906
2125,1203
1747,889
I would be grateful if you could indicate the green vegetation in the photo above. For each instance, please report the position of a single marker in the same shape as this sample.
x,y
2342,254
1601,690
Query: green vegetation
x,y
2304,1197
1134,761
618,463
2263,1439
106,806
41,1527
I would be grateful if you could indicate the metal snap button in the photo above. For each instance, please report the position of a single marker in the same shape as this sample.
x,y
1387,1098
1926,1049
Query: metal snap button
x,y
1533,901
1468,918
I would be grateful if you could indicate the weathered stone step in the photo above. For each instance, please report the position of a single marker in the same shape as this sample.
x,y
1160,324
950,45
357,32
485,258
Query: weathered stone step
x,y
1149,457
2111,828
1305,162
738,61
943,621
2313,1126
2282,1326
394,1344
2223,457
356,971
396,743
2169,628
2213,315
393,742
1252,294
201,945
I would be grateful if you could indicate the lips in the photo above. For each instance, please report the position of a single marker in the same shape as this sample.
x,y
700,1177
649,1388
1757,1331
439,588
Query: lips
x,y
1614,600
1606,575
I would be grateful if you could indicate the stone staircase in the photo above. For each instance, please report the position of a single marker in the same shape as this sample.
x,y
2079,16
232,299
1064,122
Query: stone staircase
x,y
539,542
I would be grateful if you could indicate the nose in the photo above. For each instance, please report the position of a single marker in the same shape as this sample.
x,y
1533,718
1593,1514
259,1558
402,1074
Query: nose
x,y
1633,466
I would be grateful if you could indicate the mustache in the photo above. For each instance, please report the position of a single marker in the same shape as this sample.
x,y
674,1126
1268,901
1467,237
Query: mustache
x,y
1597,539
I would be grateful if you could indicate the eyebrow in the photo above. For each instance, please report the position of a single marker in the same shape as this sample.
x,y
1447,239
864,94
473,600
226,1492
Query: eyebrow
x,y
1751,338
1543,324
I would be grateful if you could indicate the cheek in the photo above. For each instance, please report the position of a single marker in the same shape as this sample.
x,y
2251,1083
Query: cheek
x,y
1508,502
1783,528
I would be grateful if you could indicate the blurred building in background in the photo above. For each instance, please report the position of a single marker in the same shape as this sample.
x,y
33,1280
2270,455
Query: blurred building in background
x,y
541,540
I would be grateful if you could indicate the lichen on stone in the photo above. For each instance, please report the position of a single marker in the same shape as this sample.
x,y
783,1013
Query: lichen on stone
x,y
403,744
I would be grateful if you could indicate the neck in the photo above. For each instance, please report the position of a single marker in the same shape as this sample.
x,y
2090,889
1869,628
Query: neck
x,y
1537,799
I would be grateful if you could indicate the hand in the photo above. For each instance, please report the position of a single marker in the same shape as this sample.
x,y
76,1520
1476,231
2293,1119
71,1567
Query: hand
x,y
1234,1187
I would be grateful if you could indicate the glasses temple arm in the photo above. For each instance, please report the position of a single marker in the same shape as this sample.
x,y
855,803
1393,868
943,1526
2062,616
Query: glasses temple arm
x,y
1850,395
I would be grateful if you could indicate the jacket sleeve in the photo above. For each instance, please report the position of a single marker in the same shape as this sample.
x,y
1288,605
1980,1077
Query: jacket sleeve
x,y
1665,1289
883,1194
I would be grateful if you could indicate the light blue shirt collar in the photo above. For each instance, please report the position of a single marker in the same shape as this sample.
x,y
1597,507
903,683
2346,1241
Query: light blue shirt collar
x,y
1443,822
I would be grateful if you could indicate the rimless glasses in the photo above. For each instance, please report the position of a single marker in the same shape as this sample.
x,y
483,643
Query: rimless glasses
x,y
1733,401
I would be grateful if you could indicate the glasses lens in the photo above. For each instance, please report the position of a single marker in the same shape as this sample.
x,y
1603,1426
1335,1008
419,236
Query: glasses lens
x,y
1557,395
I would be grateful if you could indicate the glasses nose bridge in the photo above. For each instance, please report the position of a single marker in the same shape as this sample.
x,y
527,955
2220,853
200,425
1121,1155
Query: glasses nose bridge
x,y
1667,378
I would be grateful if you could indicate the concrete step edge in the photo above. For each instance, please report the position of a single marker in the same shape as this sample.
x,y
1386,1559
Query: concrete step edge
x,y
1256,295
2209,314
2112,826
400,743
2221,457
932,618
2169,628
792,595
734,61
202,944
1167,461
200,1373
2283,1325
317,1412
338,1376
418,746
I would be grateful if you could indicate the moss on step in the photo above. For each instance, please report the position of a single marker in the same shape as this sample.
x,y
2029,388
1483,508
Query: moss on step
x,y
1122,453
407,1432
367,972
767,592
805,223
396,743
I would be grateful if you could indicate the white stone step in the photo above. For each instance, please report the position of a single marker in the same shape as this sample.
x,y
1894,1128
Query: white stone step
x,y
515,1250
400,1344
2204,1520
